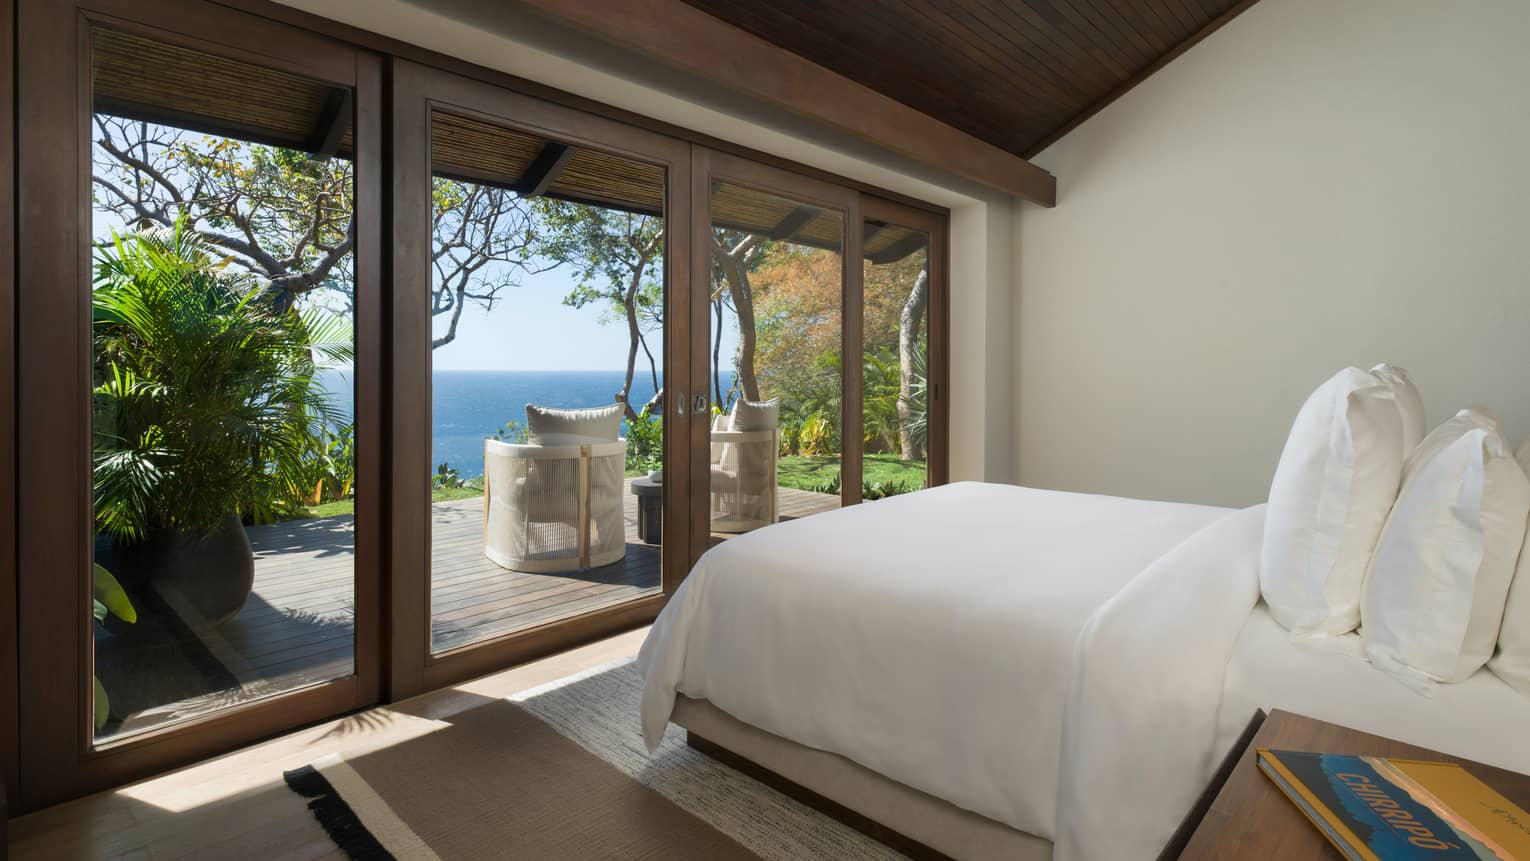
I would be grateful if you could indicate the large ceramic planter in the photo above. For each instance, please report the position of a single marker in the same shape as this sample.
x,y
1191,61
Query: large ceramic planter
x,y
204,579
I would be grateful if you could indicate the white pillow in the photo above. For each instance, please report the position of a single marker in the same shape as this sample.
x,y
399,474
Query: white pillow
x,y
1410,404
1512,662
1435,593
1335,483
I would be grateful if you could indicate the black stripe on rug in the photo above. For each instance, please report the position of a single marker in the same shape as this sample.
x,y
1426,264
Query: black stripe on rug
x,y
340,822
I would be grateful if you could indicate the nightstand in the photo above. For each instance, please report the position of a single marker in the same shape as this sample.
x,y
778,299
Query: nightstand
x,y
1243,815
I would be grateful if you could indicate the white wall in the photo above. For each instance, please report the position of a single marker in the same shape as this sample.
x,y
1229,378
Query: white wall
x,y
499,36
1317,184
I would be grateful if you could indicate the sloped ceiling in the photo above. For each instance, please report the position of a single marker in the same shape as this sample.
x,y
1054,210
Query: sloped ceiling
x,y
1013,73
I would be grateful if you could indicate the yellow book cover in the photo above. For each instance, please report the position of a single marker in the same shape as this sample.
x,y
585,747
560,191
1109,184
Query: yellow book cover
x,y
1379,809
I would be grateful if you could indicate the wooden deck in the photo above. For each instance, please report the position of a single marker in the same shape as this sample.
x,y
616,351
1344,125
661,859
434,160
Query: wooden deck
x,y
296,628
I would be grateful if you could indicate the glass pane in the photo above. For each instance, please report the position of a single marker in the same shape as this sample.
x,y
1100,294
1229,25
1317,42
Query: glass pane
x,y
895,370
224,448
547,379
777,296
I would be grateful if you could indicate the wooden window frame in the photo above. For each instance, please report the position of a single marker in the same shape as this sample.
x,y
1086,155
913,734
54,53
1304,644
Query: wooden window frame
x,y
45,734
710,166
417,92
58,758
938,229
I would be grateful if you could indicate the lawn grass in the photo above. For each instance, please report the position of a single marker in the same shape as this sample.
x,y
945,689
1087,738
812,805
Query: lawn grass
x,y
348,506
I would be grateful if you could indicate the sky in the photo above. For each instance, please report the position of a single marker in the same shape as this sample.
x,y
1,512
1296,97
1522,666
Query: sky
x,y
530,329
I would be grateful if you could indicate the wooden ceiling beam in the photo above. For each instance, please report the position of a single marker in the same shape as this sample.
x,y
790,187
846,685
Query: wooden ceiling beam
x,y
793,222
682,37
544,169
333,123
900,249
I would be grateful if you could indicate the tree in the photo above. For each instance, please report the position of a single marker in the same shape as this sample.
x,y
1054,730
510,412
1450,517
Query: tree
x,y
484,239
736,254
288,218
279,214
618,260
909,320
798,306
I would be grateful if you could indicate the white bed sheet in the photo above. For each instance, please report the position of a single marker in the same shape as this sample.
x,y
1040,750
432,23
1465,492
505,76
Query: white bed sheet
x,y
930,638
1481,719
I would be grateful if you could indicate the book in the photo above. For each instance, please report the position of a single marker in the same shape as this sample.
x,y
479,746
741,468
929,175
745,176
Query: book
x,y
1378,809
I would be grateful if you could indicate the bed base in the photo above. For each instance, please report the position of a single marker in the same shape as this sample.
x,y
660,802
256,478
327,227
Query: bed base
x,y
928,829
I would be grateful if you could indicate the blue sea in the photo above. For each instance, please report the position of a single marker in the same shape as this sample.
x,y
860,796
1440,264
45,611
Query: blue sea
x,y
467,406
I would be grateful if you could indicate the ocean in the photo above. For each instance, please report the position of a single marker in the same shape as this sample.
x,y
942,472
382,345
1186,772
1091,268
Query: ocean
x,y
467,406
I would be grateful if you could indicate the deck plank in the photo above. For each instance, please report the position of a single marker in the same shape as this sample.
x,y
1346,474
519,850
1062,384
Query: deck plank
x,y
297,628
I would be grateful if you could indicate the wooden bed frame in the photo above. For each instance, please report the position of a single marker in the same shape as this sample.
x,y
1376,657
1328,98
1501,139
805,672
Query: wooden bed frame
x,y
929,829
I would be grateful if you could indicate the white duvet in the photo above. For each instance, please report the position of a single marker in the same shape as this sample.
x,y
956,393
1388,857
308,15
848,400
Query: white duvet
x,y
928,637
1073,666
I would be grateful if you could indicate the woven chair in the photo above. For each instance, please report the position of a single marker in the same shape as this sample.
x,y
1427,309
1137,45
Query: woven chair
x,y
745,445
554,507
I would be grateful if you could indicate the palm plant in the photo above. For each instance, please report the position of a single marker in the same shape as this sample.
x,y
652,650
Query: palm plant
x,y
917,423
879,401
206,400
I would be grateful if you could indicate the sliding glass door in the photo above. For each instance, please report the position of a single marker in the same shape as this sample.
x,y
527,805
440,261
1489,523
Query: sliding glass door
x,y
902,348
301,429
534,306
826,348
199,372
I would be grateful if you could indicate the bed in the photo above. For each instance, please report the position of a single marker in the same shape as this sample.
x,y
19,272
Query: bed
x,y
996,671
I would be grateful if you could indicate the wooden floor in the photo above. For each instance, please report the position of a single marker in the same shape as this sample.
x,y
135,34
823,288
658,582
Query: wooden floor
x,y
237,806
297,627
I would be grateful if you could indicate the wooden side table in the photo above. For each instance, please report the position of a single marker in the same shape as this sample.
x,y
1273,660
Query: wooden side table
x,y
1246,816
650,497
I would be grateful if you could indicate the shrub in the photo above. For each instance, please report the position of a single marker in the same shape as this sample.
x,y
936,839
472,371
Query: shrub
x,y
206,402
645,442
816,436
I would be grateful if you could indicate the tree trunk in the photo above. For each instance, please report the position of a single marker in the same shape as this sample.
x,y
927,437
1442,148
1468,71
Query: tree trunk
x,y
735,272
634,335
908,339
717,317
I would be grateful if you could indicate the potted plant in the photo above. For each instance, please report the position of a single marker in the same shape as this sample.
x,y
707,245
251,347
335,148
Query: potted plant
x,y
206,404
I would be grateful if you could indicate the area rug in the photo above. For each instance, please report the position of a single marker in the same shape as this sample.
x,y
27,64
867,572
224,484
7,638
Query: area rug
x,y
561,772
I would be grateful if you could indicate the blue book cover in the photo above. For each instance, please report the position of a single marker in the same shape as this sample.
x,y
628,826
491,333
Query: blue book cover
x,y
1376,809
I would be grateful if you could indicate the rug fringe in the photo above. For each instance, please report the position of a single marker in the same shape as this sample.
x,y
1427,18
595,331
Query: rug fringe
x,y
338,819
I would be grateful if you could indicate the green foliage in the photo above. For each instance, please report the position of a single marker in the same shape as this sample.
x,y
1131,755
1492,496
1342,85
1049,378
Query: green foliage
x,y
513,433
881,379
279,214
816,436
791,438
918,424
613,255
109,598
446,478
645,442
869,489
206,401
811,473
327,470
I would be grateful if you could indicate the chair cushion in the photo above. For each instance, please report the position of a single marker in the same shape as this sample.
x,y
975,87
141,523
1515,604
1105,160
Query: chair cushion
x,y
756,415
549,426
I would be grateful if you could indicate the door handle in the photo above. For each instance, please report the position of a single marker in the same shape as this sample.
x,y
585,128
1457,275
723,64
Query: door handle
x,y
699,406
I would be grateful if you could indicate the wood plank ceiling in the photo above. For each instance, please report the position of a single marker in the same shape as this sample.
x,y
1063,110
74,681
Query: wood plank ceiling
x,y
1014,73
